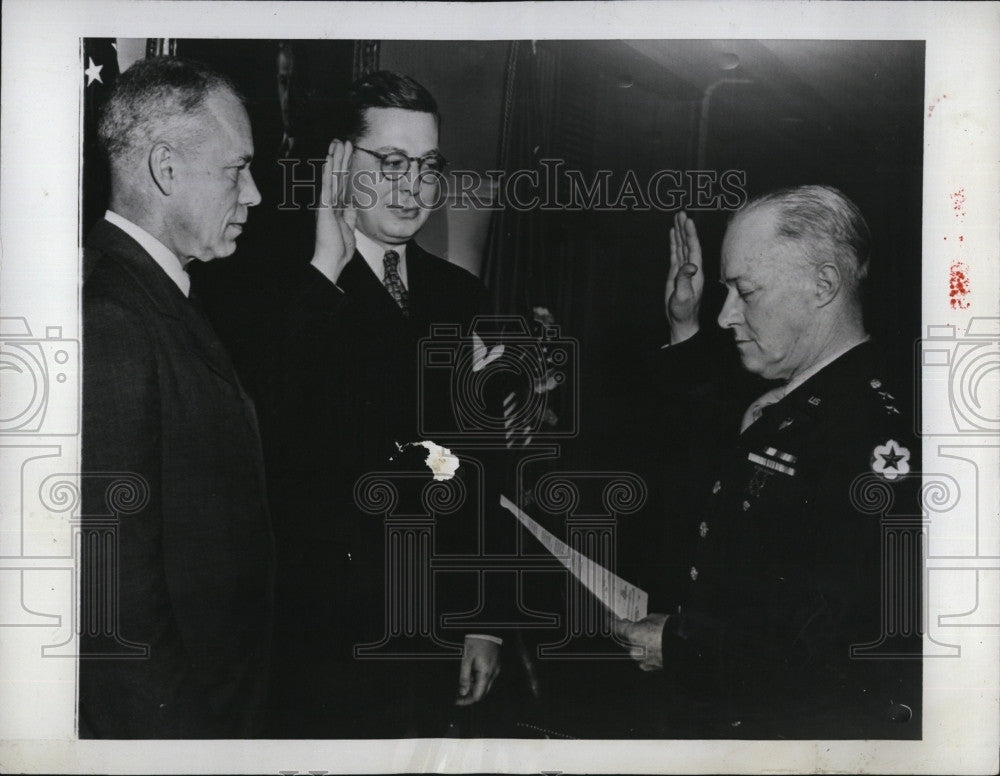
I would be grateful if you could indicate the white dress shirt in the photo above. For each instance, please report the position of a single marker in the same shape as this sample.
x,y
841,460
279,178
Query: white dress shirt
x,y
374,256
161,254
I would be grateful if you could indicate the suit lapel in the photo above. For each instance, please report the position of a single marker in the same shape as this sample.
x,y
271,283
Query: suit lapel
x,y
164,295
417,285
358,280
430,294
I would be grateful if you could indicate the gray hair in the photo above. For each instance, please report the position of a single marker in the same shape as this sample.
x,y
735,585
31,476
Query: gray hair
x,y
157,96
831,226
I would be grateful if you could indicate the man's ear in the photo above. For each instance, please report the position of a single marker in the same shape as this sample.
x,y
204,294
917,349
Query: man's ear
x,y
828,283
162,166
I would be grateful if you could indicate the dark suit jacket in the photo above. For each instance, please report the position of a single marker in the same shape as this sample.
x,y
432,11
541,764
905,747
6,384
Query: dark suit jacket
x,y
343,391
195,563
802,550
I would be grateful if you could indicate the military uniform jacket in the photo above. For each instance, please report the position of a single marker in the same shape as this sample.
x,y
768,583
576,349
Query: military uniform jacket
x,y
802,610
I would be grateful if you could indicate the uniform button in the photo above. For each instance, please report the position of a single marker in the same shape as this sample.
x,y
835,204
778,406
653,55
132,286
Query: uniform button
x,y
350,557
703,530
746,506
694,573
717,486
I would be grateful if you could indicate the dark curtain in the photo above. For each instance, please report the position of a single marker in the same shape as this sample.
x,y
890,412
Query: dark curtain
x,y
366,57
521,241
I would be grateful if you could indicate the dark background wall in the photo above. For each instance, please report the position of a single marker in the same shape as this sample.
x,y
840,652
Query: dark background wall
x,y
467,81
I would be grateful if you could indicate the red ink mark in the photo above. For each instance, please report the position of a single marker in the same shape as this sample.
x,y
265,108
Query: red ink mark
x,y
958,286
958,202
933,105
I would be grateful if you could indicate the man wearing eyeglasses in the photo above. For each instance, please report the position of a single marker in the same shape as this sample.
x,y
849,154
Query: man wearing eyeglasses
x,y
346,393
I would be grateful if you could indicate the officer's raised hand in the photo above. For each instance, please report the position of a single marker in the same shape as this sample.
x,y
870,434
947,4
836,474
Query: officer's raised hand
x,y
685,280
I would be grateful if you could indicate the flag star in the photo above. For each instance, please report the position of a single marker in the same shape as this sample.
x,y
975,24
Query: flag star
x,y
93,72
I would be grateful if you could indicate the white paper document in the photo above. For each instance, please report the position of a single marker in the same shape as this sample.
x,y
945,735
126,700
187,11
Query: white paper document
x,y
625,600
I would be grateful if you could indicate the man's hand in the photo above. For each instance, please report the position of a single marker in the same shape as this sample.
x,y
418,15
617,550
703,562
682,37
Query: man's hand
x,y
685,280
480,666
335,218
645,638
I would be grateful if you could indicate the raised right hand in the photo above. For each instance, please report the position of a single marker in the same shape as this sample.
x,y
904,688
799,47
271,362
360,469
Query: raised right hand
x,y
335,217
685,280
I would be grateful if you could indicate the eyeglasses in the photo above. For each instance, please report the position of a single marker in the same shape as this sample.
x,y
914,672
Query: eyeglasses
x,y
396,164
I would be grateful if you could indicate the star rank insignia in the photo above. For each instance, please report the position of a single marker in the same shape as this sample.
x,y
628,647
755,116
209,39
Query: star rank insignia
x,y
886,398
890,460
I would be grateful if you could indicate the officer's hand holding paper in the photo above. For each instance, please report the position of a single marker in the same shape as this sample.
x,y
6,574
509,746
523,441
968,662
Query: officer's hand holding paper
x,y
645,638
623,599
626,602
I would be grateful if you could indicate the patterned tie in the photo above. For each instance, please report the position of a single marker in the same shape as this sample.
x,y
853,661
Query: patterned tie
x,y
393,283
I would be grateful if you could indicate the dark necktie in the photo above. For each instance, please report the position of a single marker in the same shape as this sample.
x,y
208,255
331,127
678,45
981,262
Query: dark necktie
x,y
393,283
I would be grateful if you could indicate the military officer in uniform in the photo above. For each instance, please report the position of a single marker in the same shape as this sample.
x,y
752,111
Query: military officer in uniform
x,y
801,615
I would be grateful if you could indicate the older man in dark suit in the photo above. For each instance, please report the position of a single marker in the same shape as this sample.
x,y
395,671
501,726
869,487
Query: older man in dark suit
x,y
162,403
348,393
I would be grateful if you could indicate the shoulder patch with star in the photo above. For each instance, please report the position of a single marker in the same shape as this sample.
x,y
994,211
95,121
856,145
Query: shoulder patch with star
x,y
890,460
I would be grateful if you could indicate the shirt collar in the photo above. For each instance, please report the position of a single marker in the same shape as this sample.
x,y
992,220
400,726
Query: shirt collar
x,y
159,252
373,254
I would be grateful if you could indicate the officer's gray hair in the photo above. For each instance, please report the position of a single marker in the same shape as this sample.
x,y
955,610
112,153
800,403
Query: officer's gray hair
x,y
157,97
830,224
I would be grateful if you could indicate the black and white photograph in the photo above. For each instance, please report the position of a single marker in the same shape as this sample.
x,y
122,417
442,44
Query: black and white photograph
x,y
473,387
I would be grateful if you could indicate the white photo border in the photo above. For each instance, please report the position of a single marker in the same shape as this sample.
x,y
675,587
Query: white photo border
x,y
39,282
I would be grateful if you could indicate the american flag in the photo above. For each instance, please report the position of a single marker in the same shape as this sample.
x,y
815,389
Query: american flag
x,y
99,64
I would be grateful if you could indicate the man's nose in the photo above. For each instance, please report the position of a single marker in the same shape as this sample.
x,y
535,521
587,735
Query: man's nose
x,y
250,196
730,314
411,178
